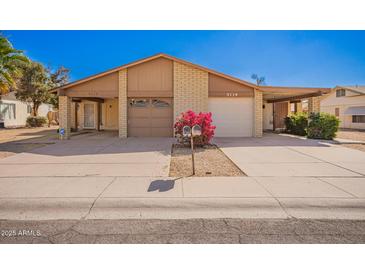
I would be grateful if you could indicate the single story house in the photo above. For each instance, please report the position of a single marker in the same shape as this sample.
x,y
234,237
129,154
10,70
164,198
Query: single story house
x,y
14,113
145,97
348,104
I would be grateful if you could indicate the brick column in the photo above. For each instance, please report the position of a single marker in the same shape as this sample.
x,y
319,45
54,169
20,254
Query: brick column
x,y
299,107
258,113
123,104
314,105
64,108
190,89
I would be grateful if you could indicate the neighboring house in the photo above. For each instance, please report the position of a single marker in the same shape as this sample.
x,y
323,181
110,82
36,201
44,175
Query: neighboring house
x,y
145,97
348,104
14,113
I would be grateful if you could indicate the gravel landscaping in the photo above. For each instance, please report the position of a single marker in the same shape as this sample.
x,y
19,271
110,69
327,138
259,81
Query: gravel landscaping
x,y
209,161
352,134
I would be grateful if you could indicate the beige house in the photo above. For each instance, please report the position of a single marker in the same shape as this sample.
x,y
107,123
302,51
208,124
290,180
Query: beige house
x,y
14,113
348,104
144,98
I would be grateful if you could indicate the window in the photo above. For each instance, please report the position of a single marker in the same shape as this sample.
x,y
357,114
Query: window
x,y
29,109
293,107
358,118
138,103
160,103
7,111
340,93
337,112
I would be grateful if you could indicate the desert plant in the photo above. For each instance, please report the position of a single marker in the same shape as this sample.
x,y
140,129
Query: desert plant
x,y
322,126
297,124
190,118
36,121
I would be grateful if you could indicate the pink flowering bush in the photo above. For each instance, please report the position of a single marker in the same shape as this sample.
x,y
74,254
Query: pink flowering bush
x,y
190,118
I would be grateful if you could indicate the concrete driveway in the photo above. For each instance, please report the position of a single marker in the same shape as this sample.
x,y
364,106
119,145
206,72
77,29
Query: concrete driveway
x,y
290,156
93,154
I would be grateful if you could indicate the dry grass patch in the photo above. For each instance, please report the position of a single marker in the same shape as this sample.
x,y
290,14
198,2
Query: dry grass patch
x,y
209,161
7,150
355,146
352,134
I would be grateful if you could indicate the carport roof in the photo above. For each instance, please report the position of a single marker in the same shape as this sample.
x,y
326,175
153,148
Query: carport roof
x,y
278,94
270,93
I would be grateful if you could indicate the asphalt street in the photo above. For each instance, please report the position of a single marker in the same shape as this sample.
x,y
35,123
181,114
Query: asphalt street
x,y
189,231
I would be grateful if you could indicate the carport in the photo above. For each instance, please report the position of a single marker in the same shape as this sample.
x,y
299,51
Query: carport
x,y
90,105
279,102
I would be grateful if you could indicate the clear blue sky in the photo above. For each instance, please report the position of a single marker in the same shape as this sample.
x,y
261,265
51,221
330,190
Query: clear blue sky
x,y
287,58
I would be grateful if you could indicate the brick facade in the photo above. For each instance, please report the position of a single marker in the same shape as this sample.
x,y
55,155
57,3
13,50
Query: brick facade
x,y
64,107
258,113
190,89
299,107
314,104
73,117
123,104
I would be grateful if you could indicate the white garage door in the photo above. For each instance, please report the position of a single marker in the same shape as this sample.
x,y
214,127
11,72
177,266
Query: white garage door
x,y
233,117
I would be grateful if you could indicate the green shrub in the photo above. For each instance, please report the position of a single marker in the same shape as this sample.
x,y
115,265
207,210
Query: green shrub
x,y
36,121
297,124
322,126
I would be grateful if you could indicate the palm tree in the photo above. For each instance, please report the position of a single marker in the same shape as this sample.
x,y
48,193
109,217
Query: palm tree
x,y
260,81
10,61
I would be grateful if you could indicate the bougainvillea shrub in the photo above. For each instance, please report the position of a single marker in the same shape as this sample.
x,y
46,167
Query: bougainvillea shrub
x,y
190,118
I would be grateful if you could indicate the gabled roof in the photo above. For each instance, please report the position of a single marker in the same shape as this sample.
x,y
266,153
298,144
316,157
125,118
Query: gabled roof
x,y
270,92
159,55
356,89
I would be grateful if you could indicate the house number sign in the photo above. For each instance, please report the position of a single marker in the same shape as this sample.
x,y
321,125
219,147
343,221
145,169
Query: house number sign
x,y
231,94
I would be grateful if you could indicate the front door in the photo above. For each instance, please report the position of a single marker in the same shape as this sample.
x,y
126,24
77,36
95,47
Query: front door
x,y
111,114
280,112
89,116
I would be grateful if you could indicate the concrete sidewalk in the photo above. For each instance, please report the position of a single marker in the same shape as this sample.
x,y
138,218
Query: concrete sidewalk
x,y
44,198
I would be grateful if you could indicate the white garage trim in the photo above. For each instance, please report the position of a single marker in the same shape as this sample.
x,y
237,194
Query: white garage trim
x,y
233,117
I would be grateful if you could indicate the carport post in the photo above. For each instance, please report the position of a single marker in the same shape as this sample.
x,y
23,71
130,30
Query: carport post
x,y
99,116
64,108
258,103
313,105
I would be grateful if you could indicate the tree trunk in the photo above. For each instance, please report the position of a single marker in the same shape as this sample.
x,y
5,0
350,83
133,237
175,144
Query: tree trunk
x,y
35,108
